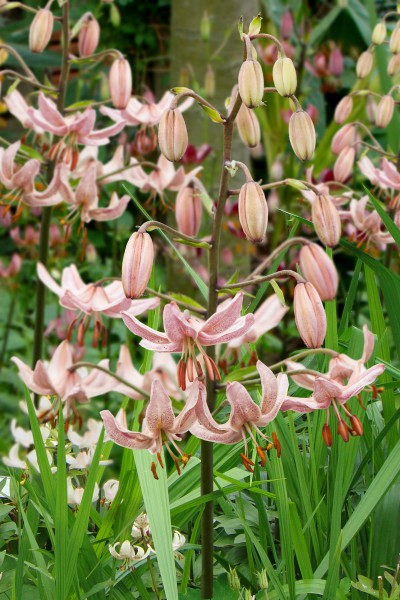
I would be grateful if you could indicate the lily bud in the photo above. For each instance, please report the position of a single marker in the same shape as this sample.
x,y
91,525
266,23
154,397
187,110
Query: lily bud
x,y
188,210
364,64
343,109
137,264
302,135
120,80
379,34
89,36
394,65
253,211
172,134
344,164
41,30
326,219
251,83
346,136
309,315
248,126
284,76
394,43
319,270
384,111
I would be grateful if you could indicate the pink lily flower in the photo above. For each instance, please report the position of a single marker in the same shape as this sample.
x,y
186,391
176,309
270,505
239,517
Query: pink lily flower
x,y
187,335
160,426
13,267
17,106
78,125
247,415
369,224
144,113
92,299
58,379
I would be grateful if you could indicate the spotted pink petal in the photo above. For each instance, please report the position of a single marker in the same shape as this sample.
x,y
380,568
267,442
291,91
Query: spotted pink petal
x,y
86,192
302,405
159,413
27,376
143,331
224,318
369,342
49,110
359,383
127,371
71,280
176,324
272,409
141,305
124,437
59,364
47,279
7,163
114,210
244,409
101,137
83,123
239,328
304,381
187,417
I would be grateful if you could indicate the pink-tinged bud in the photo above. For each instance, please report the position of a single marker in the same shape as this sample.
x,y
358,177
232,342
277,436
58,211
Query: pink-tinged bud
x,y
302,135
379,34
343,167
394,43
364,64
346,136
394,65
326,219
284,76
137,264
343,109
248,126
89,36
319,269
188,210
41,30
327,435
286,25
120,81
384,111
336,63
253,211
309,315
251,83
172,134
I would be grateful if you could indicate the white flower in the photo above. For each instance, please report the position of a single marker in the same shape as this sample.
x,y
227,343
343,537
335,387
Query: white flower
x,y
91,436
141,527
128,552
74,495
110,489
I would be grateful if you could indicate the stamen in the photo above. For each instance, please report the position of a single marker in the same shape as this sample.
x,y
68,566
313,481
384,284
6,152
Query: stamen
x,y
160,460
190,372
154,470
248,464
327,435
277,444
343,430
356,425
262,456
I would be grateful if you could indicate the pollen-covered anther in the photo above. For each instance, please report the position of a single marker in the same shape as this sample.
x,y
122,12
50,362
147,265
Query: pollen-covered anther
x,y
357,428
327,435
277,444
343,430
154,470
247,463
160,460
262,455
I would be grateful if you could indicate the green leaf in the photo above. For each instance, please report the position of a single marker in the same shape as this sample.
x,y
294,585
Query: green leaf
x,y
214,115
278,291
61,516
255,25
389,223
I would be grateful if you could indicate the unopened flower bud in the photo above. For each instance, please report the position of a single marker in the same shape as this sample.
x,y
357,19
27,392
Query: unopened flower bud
x,y
364,64
336,62
379,33
120,80
343,109
394,43
384,111
89,36
309,315
205,27
248,126
393,65
188,210
319,269
356,425
326,219
284,76
41,30
345,136
251,83
327,435
262,579
343,166
233,580
302,135
343,431
137,264
172,134
209,82
253,211
286,25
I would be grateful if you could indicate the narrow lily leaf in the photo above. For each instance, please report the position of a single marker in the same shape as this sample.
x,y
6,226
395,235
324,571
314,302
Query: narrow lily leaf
x,y
156,501
278,291
61,516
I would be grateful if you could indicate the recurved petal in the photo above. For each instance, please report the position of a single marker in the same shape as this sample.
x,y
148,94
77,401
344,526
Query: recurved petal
x,y
47,279
27,376
143,331
369,342
124,437
360,382
224,318
187,416
159,413
176,325
244,410
114,210
240,327
302,405
304,381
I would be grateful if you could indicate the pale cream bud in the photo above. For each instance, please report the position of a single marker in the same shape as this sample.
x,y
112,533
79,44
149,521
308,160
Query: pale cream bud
x,y
394,43
343,109
248,126
394,65
344,164
89,36
326,219
309,315
319,269
379,33
345,136
172,134
284,76
120,80
188,210
40,30
251,83
253,211
137,264
302,135
209,82
384,111
364,64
